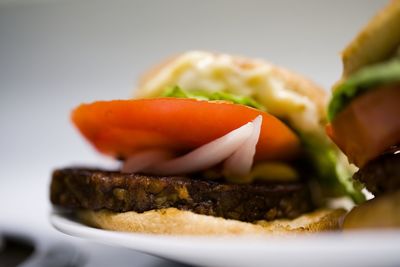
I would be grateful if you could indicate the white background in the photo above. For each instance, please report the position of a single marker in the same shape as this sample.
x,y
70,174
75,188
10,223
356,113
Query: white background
x,y
57,54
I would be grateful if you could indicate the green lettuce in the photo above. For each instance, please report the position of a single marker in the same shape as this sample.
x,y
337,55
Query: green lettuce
x,y
333,175
178,92
365,79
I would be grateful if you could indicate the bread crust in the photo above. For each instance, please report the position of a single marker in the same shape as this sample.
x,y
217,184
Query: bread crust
x,y
172,221
377,41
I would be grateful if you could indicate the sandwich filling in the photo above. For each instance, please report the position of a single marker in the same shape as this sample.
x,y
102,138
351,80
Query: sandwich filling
x,y
93,189
364,112
235,150
366,79
204,74
254,83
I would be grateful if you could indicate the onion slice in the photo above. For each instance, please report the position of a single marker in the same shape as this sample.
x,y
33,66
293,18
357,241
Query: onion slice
x,y
145,159
240,162
237,148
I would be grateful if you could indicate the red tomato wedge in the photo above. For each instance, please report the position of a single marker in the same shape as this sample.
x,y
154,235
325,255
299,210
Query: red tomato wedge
x,y
369,125
121,128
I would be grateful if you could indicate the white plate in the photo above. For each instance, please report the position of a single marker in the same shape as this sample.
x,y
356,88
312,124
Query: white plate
x,y
350,249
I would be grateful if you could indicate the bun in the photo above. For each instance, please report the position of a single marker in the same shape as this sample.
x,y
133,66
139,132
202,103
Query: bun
x,y
293,81
284,93
178,222
379,212
378,40
303,86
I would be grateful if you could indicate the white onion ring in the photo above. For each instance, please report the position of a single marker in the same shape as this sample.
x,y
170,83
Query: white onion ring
x,y
145,159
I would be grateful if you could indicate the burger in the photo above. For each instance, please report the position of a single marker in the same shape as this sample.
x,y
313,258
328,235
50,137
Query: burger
x,y
364,115
211,144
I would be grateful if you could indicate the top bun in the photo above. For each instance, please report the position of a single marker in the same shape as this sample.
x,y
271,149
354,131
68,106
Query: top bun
x,y
378,41
285,94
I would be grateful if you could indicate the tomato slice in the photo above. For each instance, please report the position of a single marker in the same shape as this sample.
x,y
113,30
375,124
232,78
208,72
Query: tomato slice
x,y
369,125
122,127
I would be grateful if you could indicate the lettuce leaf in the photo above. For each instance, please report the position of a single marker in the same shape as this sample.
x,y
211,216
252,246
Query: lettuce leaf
x,y
331,170
178,92
365,79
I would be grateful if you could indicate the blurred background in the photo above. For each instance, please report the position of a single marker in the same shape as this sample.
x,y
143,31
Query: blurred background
x,y
57,54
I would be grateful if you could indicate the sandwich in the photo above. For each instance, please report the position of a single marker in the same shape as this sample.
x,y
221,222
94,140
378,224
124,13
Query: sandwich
x,y
210,144
364,115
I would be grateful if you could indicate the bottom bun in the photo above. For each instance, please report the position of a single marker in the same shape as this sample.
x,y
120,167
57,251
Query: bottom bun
x,y
380,212
178,222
